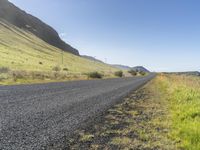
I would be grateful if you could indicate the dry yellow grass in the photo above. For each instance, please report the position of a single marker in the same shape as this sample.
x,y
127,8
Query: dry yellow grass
x,y
22,51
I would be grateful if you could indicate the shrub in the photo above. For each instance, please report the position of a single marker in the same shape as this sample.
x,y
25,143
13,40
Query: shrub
x,y
38,75
3,77
4,69
132,72
56,68
142,73
65,69
119,73
19,75
95,75
40,63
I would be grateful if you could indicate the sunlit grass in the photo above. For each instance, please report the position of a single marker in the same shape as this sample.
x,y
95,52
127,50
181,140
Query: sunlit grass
x,y
20,50
165,114
184,98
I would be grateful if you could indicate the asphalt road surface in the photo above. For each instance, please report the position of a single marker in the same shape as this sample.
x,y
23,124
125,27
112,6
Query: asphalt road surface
x,y
33,116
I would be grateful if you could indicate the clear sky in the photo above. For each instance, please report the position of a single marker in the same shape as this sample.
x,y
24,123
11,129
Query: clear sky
x,y
162,35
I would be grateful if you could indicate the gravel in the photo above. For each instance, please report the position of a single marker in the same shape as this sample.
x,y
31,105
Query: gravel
x,y
34,116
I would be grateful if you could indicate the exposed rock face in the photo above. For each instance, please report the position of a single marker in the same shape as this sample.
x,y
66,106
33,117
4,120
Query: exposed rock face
x,y
21,19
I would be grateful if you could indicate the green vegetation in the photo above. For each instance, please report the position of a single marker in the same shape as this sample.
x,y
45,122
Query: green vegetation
x,y
142,73
184,102
132,72
23,52
95,75
165,114
139,122
119,73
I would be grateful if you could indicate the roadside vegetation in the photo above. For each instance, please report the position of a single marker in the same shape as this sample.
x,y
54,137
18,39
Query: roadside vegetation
x,y
184,101
94,75
137,73
164,114
119,74
132,72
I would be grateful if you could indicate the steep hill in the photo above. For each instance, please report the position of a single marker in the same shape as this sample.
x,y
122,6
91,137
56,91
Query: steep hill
x,y
22,20
21,50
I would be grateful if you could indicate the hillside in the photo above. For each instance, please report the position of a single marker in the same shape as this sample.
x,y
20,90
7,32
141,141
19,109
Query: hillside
x,y
140,68
92,58
137,68
122,67
23,51
21,19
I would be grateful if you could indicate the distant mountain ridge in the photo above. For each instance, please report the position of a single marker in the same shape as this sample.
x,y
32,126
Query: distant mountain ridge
x,y
123,67
12,14
136,68
140,68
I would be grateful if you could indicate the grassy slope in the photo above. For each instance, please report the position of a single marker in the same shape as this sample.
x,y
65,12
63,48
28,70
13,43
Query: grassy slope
x,y
165,114
20,50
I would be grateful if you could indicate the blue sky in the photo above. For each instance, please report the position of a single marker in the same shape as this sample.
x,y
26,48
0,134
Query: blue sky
x,y
162,35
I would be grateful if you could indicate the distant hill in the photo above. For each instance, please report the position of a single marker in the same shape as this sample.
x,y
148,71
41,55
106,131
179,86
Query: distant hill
x,y
21,50
140,68
122,67
27,57
137,68
91,58
27,22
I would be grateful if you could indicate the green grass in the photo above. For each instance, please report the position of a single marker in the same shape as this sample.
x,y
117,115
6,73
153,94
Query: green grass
x,y
20,50
184,98
164,114
139,122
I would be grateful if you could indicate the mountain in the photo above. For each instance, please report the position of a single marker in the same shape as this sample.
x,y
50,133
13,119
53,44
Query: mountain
x,y
28,57
140,68
23,51
27,22
137,68
122,67
91,58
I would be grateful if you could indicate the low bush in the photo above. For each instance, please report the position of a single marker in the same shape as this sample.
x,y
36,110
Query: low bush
x,y
19,75
119,74
4,69
142,73
65,69
39,75
56,68
132,72
95,75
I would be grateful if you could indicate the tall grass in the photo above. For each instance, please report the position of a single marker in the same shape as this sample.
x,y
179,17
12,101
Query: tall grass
x,y
184,101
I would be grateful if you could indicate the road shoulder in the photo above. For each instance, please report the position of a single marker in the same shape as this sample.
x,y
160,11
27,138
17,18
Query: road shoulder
x,y
140,122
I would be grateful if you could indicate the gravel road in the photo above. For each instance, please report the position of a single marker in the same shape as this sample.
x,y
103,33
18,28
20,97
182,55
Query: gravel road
x,y
33,116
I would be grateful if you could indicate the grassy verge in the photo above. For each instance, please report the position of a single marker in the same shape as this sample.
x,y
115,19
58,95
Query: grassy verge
x,y
184,98
140,122
165,114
